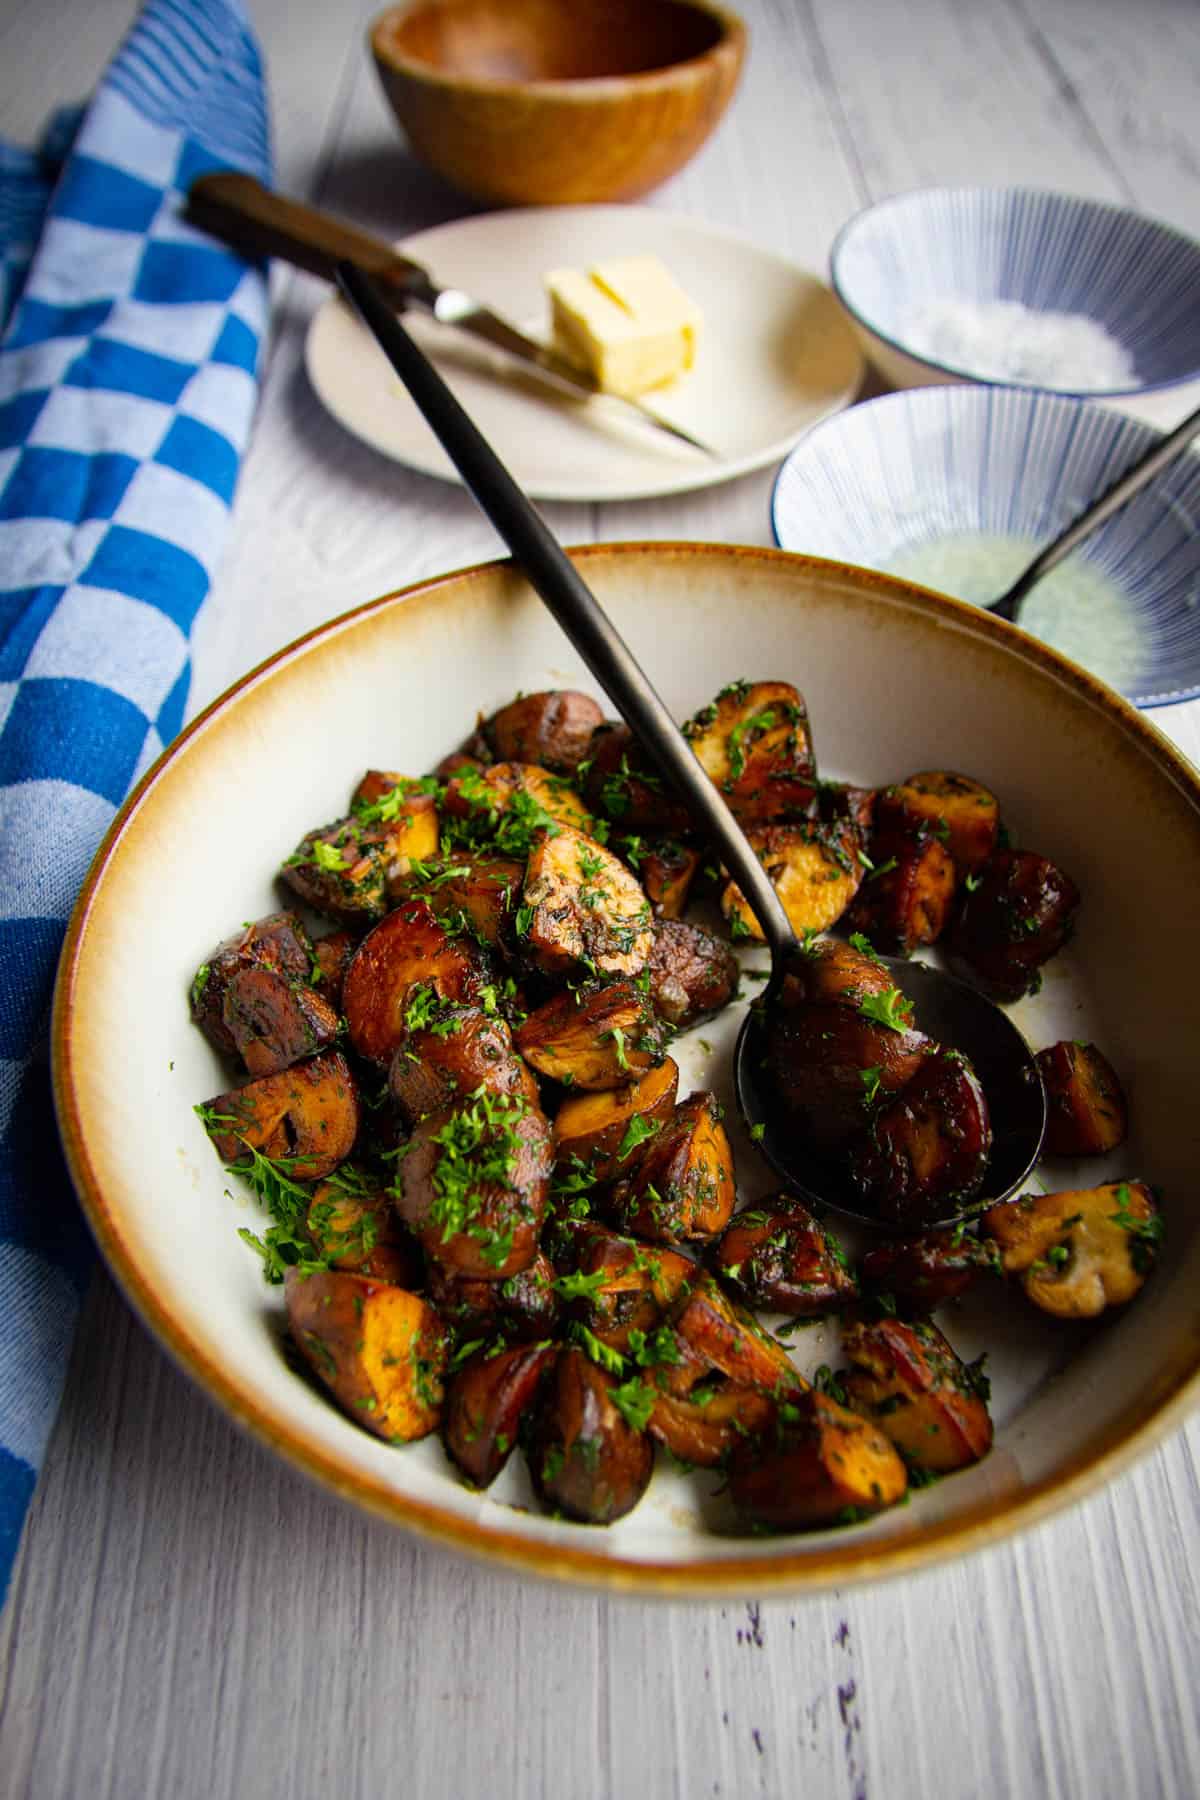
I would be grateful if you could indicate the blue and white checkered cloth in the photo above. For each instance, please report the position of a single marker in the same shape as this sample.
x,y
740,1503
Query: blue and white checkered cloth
x,y
127,388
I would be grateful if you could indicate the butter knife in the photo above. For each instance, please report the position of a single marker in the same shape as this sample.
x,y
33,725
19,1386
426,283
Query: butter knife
x,y
252,218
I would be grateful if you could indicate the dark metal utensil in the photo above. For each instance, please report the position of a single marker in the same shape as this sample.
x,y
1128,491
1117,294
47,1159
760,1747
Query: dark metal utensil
x,y
949,1009
1135,478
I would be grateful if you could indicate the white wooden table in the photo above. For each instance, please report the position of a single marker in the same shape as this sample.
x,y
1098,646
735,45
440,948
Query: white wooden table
x,y
188,1617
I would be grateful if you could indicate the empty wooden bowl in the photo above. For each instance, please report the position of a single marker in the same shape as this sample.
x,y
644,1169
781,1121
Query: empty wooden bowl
x,y
548,102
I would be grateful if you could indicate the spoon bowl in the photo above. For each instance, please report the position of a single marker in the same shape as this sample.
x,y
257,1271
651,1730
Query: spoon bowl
x,y
951,1012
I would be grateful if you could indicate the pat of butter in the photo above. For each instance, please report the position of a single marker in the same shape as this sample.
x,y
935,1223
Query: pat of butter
x,y
626,321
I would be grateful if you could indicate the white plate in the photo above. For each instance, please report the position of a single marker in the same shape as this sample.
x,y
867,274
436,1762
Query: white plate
x,y
777,356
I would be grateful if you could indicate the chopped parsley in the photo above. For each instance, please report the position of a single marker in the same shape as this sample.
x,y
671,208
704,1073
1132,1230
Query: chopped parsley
x,y
892,1009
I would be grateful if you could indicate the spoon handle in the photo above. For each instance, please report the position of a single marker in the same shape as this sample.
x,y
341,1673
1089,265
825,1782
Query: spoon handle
x,y
571,602
1111,500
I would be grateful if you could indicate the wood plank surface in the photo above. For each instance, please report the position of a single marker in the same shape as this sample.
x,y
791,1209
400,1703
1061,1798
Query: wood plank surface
x,y
190,1619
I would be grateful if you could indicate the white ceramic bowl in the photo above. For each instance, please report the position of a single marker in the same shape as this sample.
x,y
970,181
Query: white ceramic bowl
x,y
1049,252
896,679
880,482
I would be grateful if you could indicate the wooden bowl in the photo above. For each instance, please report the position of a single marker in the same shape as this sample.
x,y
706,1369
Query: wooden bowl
x,y
547,102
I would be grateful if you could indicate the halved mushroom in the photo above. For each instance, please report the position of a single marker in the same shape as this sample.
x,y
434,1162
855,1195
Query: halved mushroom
x,y
379,1350
1082,1250
815,869
911,1382
620,1288
624,786
683,1187
666,869
608,1129
274,1019
408,949
474,1183
830,1064
705,1427
510,801
343,869
692,973
779,1257
278,941
1086,1113
586,1460
1021,912
447,1050
834,971
582,908
472,891
922,1273
754,743
960,810
552,729
408,807
306,1117
906,898
819,1465
486,1400
728,1338
521,1307
925,1154
597,1037
353,1226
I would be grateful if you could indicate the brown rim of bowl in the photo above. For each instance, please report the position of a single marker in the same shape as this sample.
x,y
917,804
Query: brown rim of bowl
x,y
1174,1390
733,36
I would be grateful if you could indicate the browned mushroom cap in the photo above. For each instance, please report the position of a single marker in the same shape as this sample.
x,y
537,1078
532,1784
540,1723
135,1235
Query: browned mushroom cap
x,y
306,1116
485,1402
683,1186
331,959
923,1273
960,810
1019,915
841,800
1086,1113
607,1130
834,971
553,729
455,1050
830,1063
910,1381
754,743
472,890
730,1340
620,1288
510,800
692,973
278,941
705,1428
666,869
624,786
820,1465
353,1226
906,898
343,869
784,1260
408,949
274,1020
595,1037
926,1153
523,1306
379,1350
585,1459
474,1184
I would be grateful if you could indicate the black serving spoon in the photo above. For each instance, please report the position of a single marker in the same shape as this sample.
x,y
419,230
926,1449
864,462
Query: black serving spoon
x,y
948,1010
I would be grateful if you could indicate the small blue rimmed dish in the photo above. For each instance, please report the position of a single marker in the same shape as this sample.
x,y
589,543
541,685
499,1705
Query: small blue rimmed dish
x,y
925,275
957,488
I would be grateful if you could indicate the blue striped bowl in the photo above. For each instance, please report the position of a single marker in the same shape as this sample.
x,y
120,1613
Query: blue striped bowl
x,y
892,474
1051,252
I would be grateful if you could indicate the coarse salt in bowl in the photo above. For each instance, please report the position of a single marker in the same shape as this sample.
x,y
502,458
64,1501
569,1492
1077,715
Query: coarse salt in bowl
x,y
1023,287
958,488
